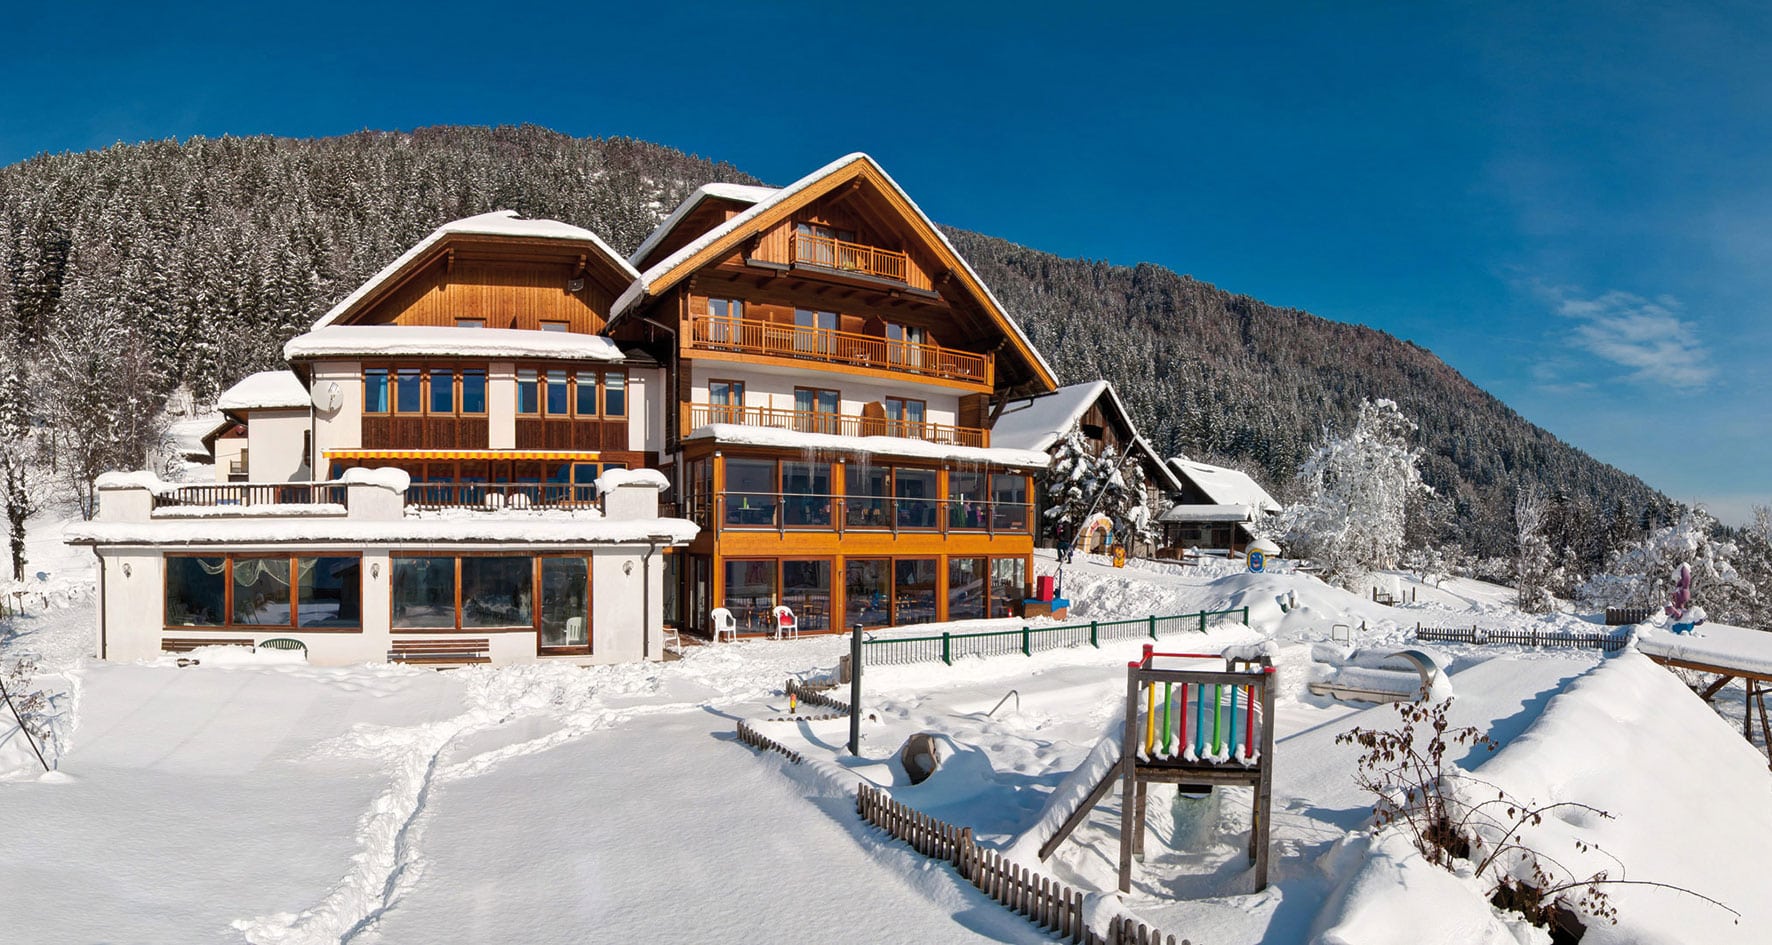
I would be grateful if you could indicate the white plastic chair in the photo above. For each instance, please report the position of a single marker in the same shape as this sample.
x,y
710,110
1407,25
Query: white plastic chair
x,y
723,622
785,624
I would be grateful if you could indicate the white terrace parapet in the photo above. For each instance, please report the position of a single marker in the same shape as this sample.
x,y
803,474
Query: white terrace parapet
x,y
367,495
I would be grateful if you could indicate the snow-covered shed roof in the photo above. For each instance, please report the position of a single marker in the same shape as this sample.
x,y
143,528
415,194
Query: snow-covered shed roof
x,y
873,445
1038,422
405,340
1207,513
740,193
266,390
504,223
1225,486
665,272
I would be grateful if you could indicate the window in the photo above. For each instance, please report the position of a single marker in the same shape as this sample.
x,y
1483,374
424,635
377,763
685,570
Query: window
x,y
261,591
914,590
904,344
1009,585
868,499
557,393
917,500
554,326
729,395
1010,493
750,593
473,390
817,409
966,588
528,397
810,329
442,390
806,590
585,401
565,604
968,507
470,323
407,397
495,592
725,316
806,494
904,417
750,492
424,593
615,394
375,390
867,592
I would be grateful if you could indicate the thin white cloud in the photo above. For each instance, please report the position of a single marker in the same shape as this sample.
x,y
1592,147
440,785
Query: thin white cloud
x,y
1647,336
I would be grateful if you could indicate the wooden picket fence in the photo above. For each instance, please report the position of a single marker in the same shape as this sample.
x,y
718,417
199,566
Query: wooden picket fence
x,y
761,742
1607,642
816,695
1046,902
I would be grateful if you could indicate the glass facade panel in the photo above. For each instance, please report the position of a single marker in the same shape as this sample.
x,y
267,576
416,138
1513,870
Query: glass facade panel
x,y
424,593
329,592
565,602
196,591
917,501
867,592
806,590
914,587
473,391
750,593
750,492
966,589
806,494
868,499
261,591
1009,585
967,506
495,592
1010,493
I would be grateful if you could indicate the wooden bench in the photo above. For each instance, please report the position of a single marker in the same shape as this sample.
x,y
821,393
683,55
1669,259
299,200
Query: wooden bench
x,y
454,652
187,644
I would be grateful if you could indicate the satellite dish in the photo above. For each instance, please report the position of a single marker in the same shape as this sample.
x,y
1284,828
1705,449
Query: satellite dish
x,y
327,399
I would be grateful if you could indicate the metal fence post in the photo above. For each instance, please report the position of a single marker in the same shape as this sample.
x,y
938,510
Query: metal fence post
x,y
947,648
1027,643
1153,620
1245,615
1202,621
855,690
1094,640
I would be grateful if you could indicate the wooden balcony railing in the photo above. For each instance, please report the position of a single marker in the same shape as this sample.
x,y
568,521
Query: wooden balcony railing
x,y
696,416
751,336
849,257
249,494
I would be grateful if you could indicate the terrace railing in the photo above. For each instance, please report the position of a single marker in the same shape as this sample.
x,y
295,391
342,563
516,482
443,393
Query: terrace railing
x,y
250,494
500,496
752,336
696,416
804,511
1027,640
831,253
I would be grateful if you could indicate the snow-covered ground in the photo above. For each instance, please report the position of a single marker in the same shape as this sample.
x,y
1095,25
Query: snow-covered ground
x,y
263,800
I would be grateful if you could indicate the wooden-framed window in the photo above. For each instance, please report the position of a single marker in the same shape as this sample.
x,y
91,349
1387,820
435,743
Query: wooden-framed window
x,y
724,316
491,593
559,392
425,390
548,324
726,401
470,323
817,408
904,416
314,592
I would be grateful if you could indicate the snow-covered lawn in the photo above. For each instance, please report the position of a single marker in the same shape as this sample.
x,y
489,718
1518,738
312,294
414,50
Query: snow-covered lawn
x,y
267,801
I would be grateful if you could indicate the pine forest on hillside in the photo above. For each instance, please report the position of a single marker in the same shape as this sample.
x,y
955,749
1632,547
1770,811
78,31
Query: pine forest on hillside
x,y
140,269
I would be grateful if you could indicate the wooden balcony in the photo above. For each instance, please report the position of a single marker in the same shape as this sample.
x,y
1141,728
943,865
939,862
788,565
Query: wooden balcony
x,y
696,416
708,333
844,256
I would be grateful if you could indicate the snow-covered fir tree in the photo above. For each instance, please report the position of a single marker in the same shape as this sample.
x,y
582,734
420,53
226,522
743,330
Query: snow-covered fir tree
x,y
1080,482
1356,487
1536,571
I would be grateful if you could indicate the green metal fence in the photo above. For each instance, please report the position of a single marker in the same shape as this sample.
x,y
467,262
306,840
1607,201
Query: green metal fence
x,y
1027,640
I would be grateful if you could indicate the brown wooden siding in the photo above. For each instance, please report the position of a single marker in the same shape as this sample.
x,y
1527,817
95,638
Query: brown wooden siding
x,y
505,293
568,434
414,433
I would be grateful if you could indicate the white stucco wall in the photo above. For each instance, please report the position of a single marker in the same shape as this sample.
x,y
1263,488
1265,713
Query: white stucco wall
x,y
227,450
501,405
274,441
341,429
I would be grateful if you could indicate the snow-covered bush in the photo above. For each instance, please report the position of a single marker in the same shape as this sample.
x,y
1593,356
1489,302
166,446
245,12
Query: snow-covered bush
x,y
1644,574
1536,571
1356,488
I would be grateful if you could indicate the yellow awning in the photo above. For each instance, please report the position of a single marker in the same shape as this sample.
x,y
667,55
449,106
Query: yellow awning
x,y
568,455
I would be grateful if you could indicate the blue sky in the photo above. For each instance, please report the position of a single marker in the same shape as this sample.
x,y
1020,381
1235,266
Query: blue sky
x,y
1567,202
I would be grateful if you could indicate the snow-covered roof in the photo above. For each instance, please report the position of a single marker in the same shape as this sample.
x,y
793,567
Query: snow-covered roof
x,y
875,445
1207,513
497,223
1038,422
1225,486
266,390
743,193
644,283
350,340
471,527
616,478
188,435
